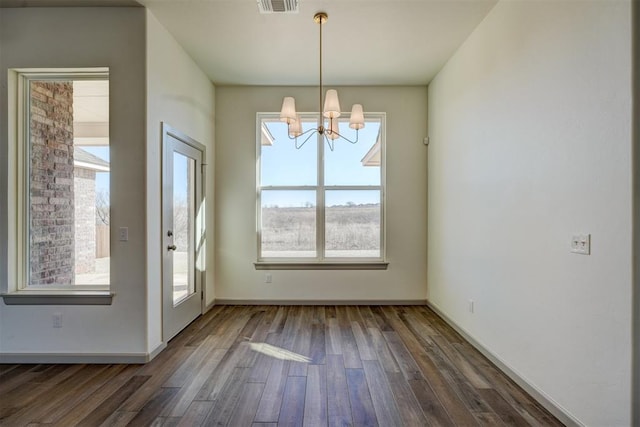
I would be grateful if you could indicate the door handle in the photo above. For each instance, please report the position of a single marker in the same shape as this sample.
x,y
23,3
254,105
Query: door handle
x,y
172,247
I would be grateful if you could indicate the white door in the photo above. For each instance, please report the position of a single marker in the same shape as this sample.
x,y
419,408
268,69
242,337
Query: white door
x,y
183,231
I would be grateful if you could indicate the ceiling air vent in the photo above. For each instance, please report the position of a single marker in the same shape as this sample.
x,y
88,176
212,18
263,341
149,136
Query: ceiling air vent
x,y
278,6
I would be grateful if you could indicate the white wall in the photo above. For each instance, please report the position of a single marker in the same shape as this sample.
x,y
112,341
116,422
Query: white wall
x,y
235,212
179,94
80,37
530,125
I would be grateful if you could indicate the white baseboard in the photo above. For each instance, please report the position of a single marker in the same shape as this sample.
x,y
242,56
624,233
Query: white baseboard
x,y
232,301
540,396
74,358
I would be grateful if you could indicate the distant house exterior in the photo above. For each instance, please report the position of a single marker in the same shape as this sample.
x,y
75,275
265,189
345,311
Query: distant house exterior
x,y
86,165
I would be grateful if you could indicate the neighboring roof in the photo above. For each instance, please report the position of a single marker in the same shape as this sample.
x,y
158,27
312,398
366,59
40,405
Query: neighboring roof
x,y
84,159
373,156
266,138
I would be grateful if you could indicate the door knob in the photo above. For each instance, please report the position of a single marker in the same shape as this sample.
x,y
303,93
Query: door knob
x,y
172,247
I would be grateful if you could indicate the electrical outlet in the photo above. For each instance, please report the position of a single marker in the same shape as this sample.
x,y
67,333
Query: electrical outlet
x,y
57,320
471,306
268,278
581,244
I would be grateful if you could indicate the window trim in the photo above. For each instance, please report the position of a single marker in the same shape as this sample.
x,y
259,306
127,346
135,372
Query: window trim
x,y
17,290
321,262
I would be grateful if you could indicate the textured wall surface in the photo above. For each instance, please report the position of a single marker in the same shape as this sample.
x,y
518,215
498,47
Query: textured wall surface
x,y
84,182
51,184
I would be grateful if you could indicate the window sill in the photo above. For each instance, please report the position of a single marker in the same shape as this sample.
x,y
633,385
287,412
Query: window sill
x,y
58,298
366,265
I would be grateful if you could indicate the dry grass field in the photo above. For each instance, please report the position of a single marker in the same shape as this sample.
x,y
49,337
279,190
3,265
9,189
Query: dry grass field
x,y
348,228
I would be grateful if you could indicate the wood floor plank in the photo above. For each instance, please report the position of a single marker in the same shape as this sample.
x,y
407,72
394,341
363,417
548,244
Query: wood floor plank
x,y
269,406
292,412
29,393
227,401
183,399
151,410
109,404
333,339
245,411
528,408
196,413
403,357
410,410
363,342
338,406
119,419
432,407
64,391
315,404
387,361
158,375
349,346
362,410
317,347
262,366
90,399
383,400
186,370
501,408
466,369
266,366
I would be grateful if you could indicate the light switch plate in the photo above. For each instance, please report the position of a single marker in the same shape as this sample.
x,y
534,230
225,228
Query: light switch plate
x,y
581,244
123,234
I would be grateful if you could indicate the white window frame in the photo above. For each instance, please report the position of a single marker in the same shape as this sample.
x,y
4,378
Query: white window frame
x,y
18,290
320,261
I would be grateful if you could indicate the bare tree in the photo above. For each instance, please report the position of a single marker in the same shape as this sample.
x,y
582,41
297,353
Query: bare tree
x,y
102,207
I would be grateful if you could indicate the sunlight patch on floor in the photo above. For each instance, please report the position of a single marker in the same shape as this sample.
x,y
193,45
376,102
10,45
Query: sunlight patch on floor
x,y
278,352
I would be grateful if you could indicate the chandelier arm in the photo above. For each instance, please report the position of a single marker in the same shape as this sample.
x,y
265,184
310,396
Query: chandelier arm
x,y
311,132
345,138
303,133
330,143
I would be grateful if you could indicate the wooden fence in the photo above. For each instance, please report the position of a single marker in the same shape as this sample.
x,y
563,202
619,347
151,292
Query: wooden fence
x,y
102,241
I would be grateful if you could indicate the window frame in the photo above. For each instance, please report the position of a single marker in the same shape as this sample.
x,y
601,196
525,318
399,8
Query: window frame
x,y
18,290
321,261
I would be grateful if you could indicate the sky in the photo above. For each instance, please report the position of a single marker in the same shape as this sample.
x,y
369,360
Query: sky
x,y
283,164
102,178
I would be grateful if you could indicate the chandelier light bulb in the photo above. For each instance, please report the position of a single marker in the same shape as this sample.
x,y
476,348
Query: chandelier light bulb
x,y
357,117
331,104
295,128
288,112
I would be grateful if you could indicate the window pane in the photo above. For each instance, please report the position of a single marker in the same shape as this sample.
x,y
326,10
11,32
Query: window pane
x,y
355,164
280,162
288,223
68,182
184,182
352,223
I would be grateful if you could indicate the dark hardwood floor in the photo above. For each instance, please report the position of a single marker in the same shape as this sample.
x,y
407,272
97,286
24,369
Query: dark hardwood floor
x,y
288,365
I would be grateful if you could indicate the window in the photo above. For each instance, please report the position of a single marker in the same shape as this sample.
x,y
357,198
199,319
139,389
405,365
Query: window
x,y
62,185
318,205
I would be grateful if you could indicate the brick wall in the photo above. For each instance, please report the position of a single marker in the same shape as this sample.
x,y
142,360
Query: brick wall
x,y
84,182
51,238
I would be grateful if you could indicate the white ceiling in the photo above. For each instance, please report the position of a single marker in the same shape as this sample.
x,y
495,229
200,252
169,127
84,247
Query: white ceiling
x,y
366,42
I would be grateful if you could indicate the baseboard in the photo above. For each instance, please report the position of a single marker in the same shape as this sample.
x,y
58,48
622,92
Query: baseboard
x,y
540,396
232,301
68,358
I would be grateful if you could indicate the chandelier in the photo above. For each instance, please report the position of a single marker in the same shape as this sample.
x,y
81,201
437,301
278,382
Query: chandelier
x,y
331,110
